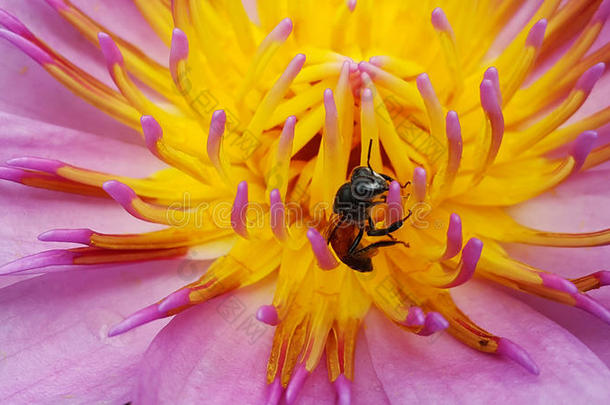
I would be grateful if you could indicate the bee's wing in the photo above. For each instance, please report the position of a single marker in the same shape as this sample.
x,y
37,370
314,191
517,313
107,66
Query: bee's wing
x,y
331,225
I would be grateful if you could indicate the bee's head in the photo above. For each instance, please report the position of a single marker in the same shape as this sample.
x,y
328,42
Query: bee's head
x,y
367,184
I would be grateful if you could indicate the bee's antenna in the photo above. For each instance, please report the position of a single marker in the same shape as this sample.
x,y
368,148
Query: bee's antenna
x,y
368,157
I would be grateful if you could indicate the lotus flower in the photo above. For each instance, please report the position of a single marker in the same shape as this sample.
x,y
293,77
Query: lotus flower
x,y
203,206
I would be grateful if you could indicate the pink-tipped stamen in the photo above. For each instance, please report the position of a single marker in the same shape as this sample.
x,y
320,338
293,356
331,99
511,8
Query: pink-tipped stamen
x,y
217,129
419,183
143,316
509,349
440,21
38,261
275,391
267,314
238,212
153,133
27,47
602,12
394,203
343,388
471,253
435,322
587,81
351,4
286,138
10,174
179,51
603,276
331,122
581,149
592,306
492,75
424,85
415,317
536,34
175,300
33,163
454,237
12,23
296,383
324,257
123,194
281,31
277,214
82,236
493,110
454,143
558,283
111,51
58,5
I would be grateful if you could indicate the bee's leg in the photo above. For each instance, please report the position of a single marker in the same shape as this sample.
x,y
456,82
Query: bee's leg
x,y
372,231
356,242
377,245
390,179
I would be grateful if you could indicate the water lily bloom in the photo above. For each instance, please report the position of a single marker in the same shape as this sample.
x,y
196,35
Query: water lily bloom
x,y
195,256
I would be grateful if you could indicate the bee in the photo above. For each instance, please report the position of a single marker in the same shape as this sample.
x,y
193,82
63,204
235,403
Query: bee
x,y
352,217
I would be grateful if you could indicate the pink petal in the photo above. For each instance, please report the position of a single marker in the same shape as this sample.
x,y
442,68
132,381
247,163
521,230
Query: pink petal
x,y
435,370
31,92
207,351
28,212
579,205
217,350
54,343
